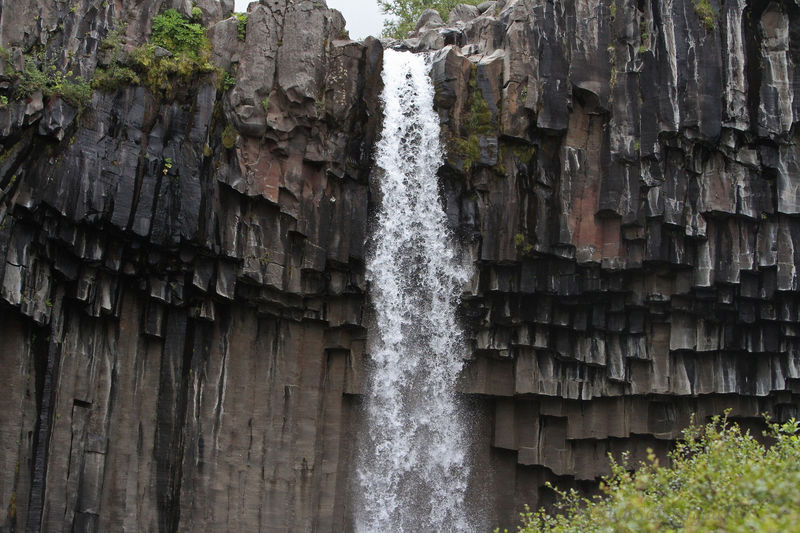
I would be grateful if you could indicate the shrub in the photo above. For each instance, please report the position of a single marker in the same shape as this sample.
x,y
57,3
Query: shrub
x,y
45,77
228,81
117,73
178,52
242,24
113,43
229,137
480,116
73,89
180,36
160,72
721,479
111,78
189,53
468,149
705,12
31,79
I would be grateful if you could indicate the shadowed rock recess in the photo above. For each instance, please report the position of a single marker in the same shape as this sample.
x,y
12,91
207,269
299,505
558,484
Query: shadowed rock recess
x,y
182,296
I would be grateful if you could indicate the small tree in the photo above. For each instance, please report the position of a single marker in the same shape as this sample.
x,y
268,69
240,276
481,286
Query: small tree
x,y
407,12
721,479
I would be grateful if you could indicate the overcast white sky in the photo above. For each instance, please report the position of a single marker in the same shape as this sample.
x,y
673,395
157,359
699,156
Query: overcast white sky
x,y
363,17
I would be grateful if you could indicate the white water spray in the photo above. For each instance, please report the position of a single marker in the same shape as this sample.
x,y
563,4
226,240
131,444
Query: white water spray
x,y
412,467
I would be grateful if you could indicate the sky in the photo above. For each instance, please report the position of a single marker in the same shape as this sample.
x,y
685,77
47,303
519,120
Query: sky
x,y
363,17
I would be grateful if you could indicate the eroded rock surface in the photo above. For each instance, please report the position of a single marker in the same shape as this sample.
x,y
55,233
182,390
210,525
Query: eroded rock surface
x,y
182,285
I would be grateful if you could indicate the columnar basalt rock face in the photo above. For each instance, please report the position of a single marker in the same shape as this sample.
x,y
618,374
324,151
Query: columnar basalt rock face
x,y
182,285
626,173
182,280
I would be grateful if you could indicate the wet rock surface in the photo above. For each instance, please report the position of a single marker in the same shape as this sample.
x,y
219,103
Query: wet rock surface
x,y
627,184
182,283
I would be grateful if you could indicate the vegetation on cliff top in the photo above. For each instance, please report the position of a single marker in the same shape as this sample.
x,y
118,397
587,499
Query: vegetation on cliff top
x,y
407,12
178,51
180,36
721,479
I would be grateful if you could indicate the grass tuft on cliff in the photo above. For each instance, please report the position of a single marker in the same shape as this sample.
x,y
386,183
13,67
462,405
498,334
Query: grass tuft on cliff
x,y
720,479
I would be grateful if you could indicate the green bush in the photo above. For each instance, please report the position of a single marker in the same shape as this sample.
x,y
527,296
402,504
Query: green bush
x,y
117,73
111,78
705,12
32,78
180,36
242,24
228,81
189,53
468,149
229,137
73,89
186,54
480,116
721,479
51,81
160,73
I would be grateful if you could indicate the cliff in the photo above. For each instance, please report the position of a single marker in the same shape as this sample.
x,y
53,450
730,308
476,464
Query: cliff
x,y
182,303
182,293
627,175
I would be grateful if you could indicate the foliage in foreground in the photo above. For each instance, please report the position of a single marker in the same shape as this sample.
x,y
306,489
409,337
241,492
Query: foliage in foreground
x,y
721,479
407,12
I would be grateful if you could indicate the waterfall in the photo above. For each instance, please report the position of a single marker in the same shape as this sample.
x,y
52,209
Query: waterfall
x,y
412,467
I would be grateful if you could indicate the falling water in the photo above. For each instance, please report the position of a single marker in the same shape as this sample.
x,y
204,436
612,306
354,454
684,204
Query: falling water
x,y
412,470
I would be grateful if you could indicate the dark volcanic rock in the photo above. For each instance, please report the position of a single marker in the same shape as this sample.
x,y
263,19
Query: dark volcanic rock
x,y
182,286
631,228
179,310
